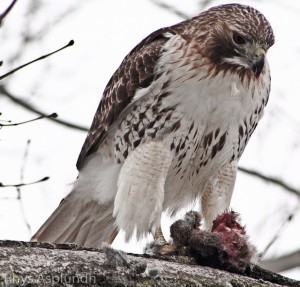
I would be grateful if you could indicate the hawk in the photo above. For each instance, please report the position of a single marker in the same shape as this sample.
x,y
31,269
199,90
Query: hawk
x,y
170,128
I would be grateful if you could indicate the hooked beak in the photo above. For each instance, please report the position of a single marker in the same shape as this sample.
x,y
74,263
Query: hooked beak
x,y
257,61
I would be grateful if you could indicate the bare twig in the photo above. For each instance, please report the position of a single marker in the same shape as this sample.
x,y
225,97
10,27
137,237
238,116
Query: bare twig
x,y
271,179
204,3
279,232
25,157
6,11
29,36
24,184
170,9
19,197
53,116
38,59
31,108
3,121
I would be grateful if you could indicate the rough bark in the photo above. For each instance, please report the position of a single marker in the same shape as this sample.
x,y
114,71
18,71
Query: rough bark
x,y
41,264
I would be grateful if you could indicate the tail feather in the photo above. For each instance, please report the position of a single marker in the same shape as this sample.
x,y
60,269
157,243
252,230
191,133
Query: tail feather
x,y
71,231
100,229
88,224
82,236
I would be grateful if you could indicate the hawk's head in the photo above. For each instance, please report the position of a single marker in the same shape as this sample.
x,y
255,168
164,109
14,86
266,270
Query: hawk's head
x,y
235,38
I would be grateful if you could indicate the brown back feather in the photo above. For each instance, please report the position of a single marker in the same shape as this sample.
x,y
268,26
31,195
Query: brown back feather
x,y
136,71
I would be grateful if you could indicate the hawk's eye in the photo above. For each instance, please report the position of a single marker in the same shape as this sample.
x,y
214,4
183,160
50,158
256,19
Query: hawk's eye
x,y
238,39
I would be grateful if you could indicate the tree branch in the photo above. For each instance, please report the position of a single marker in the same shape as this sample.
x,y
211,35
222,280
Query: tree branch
x,y
53,115
71,43
7,10
31,108
204,3
282,263
24,184
19,191
170,9
271,179
43,264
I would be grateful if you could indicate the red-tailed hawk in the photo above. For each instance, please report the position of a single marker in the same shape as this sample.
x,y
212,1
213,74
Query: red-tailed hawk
x,y
171,127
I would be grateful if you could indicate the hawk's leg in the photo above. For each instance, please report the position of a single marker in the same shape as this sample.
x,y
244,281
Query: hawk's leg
x,y
217,194
159,236
160,246
140,194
